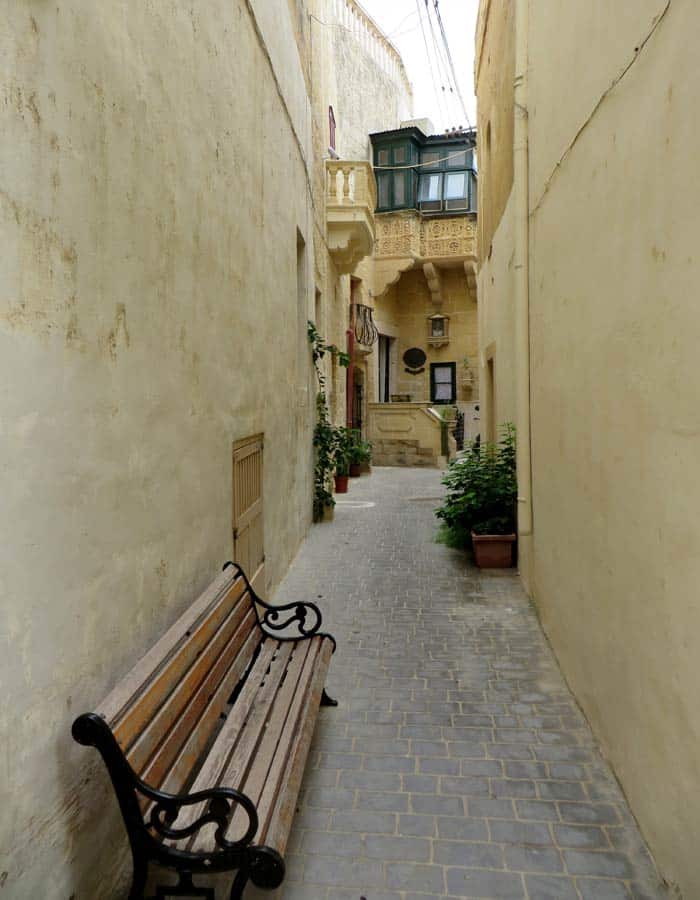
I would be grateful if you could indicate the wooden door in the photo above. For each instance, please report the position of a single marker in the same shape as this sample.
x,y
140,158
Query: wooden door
x,y
248,528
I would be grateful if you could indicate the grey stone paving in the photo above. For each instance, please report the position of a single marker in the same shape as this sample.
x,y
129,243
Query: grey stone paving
x,y
458,763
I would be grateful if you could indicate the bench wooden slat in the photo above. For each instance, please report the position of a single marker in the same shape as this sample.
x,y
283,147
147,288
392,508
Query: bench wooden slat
x,y
252,701
253,778
192,731
280,822
226,643
129,687
136,716
267,789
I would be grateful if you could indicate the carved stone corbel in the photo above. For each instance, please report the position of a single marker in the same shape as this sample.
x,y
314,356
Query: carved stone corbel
x,y
434,279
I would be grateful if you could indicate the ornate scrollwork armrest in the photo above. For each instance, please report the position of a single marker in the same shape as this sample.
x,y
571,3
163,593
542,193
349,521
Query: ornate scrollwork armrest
x,y
221,804
290,622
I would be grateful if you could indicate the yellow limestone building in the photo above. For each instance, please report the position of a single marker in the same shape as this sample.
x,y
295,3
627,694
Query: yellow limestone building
x,y
588,272
168,230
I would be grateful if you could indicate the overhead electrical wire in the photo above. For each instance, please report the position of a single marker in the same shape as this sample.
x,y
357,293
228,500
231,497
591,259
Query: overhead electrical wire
x,y
438,96
442,67
436,4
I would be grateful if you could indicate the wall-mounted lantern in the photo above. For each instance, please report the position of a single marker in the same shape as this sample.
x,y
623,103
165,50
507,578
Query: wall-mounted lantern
x,y
438,330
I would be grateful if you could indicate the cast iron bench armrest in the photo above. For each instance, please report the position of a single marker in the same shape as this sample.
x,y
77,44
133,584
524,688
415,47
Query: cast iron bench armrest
x,y
276,619
91,730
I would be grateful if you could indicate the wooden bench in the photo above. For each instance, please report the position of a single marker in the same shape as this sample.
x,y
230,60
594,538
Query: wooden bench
x,y
207,737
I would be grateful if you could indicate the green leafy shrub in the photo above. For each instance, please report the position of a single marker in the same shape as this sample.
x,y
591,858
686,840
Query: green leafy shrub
x,y
342,449
482,488
360,451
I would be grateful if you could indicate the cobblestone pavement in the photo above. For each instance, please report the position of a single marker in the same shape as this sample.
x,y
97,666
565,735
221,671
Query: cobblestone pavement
x,y
458,763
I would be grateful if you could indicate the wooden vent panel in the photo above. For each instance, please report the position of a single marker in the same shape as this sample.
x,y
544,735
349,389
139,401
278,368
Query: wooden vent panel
x,y
248,525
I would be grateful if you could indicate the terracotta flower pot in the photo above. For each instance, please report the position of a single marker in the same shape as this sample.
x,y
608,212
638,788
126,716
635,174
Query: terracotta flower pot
x,y
355,470
341,484
493,551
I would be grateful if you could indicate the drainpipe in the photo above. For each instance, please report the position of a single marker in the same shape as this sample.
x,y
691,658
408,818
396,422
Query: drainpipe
x,y
522,269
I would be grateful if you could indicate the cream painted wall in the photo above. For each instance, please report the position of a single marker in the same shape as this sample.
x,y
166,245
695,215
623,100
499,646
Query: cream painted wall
x,y
614,383
152,181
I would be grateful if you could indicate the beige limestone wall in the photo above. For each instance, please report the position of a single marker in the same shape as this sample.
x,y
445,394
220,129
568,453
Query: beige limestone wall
x,y
494,73
152,182
614,570
350,73
496,331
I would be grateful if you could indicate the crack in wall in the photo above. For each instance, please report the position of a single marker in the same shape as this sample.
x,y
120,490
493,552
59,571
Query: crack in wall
x,y
656,22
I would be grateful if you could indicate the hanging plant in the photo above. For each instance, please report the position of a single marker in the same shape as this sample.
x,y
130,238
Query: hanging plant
x,y
325,434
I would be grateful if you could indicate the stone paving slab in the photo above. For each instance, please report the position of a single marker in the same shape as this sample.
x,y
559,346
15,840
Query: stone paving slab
x,y
457,764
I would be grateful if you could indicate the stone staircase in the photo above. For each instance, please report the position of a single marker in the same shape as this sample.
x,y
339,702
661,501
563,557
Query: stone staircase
x,y
395,452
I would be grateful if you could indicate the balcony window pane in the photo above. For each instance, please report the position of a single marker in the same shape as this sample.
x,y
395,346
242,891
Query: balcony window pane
x,y
430,187
383,158
455,185
399,155
457,159
383,184
399,189
430,159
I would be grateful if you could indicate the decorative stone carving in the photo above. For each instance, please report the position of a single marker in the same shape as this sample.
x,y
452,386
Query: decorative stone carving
x,y
405,239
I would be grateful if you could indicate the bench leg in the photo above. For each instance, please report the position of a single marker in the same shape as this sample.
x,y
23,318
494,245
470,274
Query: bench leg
x,y
240,881
138,883
326,700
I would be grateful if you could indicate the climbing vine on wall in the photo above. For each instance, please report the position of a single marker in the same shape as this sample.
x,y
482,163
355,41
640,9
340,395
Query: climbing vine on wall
x,y
324,432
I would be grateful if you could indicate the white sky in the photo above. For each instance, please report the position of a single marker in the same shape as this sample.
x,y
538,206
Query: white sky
x,y
399,19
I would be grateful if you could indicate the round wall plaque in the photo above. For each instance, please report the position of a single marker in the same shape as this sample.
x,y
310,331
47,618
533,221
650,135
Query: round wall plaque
x,y
414,358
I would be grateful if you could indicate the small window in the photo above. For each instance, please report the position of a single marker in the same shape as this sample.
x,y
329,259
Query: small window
x,y
443,382
399,155
383,158
331,128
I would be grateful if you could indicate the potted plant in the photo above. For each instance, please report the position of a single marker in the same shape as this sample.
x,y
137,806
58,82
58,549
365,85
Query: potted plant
x,y
342,444
481,500
360,453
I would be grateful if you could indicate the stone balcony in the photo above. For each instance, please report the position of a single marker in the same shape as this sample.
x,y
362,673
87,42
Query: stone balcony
x,y
351,198
407,239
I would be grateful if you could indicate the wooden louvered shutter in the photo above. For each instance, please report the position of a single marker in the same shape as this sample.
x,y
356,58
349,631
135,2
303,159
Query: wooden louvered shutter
x,y
248,529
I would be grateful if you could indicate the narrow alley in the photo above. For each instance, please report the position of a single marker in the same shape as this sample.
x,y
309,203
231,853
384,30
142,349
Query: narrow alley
x,y
457,763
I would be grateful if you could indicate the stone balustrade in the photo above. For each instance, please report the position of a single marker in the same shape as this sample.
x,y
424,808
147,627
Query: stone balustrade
x,y
350,183
351,197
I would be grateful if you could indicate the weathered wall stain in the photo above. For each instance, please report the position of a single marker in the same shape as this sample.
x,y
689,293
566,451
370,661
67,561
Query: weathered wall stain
x,y
119,333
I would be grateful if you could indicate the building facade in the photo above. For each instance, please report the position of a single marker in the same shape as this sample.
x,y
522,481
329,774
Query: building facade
x,y
424,291
587,273
169,230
